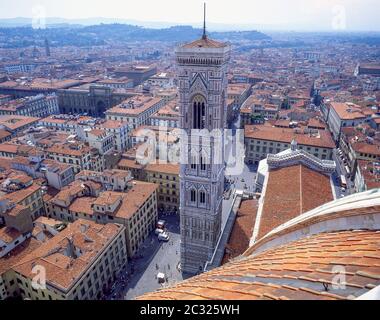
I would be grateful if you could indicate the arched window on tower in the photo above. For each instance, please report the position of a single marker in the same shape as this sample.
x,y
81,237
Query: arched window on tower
x,y
193,163
193,196
199,112
202,197
203,163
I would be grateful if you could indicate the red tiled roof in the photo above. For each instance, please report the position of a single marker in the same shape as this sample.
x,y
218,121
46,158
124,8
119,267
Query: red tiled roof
x,y
290,192
205,43
299,270
285,135
242,230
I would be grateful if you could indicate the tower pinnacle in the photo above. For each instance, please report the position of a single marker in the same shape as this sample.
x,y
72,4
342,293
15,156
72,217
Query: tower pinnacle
x,y
204,36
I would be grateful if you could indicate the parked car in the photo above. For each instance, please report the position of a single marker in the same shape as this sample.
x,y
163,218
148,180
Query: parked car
x,y
158,231
164,237
161,224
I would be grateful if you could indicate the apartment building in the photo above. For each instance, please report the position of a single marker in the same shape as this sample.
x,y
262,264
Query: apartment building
x,y
239,92
167,116
100,139
261,140
11,150
135,111
57,174
119,130
77,125
5,135
36,106
78,155
340,115
20,189
166,176
16,124
367,175
135,209
74,269
356,144
255,110
112,180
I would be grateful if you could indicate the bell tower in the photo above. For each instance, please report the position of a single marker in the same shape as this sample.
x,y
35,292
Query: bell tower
x,y
202,67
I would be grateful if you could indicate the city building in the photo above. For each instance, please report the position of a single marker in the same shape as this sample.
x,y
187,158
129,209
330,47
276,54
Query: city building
x,y
17,188
257,111
203,82
38,106
167,116
111,180
121,83
78,124
76,154
369,69
100,139
90,99
167,177
239,93
135,111
80,262
161,80
16,124
261,140
135,209
57,174
367,175
37,86
138,73
340,115
20,67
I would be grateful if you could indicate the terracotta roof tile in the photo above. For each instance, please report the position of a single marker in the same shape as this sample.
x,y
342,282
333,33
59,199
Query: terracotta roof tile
x,y
290,192
287,280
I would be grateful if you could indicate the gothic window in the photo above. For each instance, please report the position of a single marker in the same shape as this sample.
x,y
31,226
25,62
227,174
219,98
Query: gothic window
x,y
202,197
193,162
203,163
199,112
193,195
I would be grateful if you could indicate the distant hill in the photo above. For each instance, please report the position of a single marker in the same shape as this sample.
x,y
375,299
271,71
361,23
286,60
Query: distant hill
x,y
62,34
51,21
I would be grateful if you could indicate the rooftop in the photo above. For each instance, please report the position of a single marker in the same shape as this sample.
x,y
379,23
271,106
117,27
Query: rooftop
x,y
14,122
300,259
291,191
348,111
63,270
204,42
266,132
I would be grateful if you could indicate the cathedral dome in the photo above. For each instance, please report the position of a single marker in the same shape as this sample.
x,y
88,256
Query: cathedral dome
x,y
328,253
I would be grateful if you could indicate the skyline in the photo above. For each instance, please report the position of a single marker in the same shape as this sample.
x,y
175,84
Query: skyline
x,y
322,15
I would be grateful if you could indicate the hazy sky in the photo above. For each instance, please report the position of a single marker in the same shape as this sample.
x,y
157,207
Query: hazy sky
x,y
310,14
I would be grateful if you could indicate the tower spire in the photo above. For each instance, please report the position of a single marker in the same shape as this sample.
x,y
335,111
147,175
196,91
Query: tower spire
x,y
204,36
